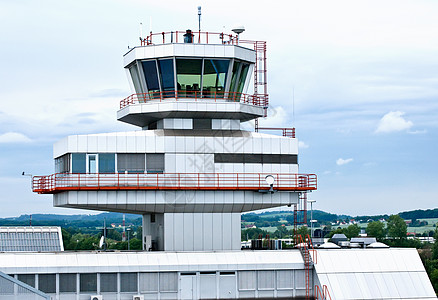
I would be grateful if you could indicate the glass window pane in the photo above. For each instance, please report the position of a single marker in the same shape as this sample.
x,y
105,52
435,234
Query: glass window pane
x,y
236,67
242,79
107,163
27,278
150,73
188,76
131,163
108,282
215,75
148,282
88,282
155,162
128,282
135,79
62,164
168,282
47,283
167,74
67,283
78,162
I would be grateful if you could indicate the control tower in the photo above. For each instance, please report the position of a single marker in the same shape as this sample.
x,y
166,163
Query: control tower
x,y
189,169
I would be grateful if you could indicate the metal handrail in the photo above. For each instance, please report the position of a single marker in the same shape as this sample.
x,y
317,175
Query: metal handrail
x,y
175,95
323,292
171,181
24,286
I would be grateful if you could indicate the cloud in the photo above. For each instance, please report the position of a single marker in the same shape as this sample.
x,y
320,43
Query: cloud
x,y
302,145
392,122
341,161
14,137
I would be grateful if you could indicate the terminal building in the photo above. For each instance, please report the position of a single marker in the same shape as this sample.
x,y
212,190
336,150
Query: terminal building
x,y
190,170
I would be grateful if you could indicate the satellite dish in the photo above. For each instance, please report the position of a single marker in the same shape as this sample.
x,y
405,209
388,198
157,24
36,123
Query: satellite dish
x,y
102,239
238,28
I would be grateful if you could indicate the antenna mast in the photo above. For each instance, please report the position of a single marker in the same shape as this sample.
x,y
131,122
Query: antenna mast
x,y
199,18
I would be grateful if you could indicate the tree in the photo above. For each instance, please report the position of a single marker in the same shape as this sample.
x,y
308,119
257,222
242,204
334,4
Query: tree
x,y
303,231
376,229
352,231
397,227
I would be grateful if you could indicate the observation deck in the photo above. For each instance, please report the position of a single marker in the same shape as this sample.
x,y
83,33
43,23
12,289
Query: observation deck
x,y
61,182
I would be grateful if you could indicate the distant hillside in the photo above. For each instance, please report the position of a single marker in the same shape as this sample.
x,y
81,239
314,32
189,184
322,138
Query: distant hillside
x,y
420,214
71,220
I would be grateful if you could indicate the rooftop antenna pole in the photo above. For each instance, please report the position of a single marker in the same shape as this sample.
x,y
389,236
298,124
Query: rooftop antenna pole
x,y
199,18
141,30
293,106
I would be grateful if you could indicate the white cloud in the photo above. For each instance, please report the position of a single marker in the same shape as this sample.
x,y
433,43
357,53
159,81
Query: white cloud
x,y
341,161
302,145
392,122
14,137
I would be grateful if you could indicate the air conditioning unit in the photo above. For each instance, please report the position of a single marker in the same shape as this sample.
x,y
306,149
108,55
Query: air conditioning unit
x,y
96,297
138,297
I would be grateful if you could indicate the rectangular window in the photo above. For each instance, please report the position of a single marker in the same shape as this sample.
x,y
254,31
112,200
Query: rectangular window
x,y
107,163
128,282
256,158
265,280
247,280
202,124
27,279
47,283
67,283
108,282
285,279
130,162
155,162
62,164
188,77
148,282
167,75
168,282
151,76
214,78
135,79
242,79
88,282
79,164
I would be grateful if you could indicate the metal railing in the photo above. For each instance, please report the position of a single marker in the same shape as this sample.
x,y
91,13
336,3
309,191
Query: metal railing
x,y
11,288
195,37
322,293
174,95
171,181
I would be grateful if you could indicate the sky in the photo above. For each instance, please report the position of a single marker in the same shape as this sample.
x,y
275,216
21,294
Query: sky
x,y
358,80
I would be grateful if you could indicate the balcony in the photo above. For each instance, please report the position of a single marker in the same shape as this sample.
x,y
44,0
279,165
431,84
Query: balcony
x,y
61,182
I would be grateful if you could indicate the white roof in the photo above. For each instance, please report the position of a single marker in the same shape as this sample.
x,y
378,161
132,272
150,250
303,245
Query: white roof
x,y
373,274
72,262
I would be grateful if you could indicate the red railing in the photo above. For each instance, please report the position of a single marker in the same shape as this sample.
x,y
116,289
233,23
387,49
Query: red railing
x,y
322,293
257,100
171,181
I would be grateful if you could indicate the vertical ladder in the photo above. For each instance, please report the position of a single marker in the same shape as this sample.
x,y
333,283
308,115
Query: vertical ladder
x,y
261,71
308,262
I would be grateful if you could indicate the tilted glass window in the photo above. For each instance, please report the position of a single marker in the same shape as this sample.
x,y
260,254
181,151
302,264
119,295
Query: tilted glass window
x,y
108,282
136,79
215,76
79,162
242,78
167,74
130,162
151,75
234,77
188,75
67,283
62,164
107,163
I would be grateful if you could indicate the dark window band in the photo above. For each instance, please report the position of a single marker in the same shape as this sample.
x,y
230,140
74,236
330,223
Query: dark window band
x,y
255,158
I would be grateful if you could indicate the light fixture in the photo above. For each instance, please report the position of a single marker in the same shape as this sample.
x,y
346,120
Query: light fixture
x,y
270,180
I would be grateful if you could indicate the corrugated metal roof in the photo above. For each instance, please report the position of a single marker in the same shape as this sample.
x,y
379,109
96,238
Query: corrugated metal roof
x,y
26,238
373,274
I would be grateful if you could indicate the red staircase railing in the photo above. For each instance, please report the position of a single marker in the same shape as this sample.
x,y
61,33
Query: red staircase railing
x,y
305,247
322,293
171,181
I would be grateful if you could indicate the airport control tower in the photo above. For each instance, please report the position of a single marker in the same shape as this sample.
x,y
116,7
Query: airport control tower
x,y
189,169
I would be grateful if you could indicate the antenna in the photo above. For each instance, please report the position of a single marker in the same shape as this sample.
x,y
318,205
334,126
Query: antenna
x,y
238,29
141,30
293,106
199,18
